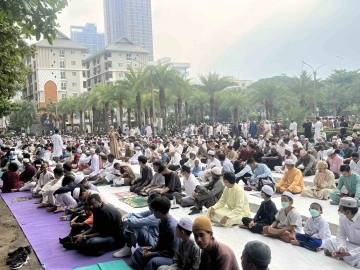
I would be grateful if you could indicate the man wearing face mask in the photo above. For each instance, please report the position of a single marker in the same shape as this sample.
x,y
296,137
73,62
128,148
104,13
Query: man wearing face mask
x,y
349,180
316,229
346,246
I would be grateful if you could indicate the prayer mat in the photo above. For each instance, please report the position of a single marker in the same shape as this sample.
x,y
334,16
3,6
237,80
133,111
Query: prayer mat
x,y
258,194
118,265
136,202
125,195
21,199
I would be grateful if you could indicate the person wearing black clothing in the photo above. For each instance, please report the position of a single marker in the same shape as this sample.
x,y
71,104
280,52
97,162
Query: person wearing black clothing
x,y
106,233
151,258
347,152
343,127
146,176
272,159
172,183
307,129
265,216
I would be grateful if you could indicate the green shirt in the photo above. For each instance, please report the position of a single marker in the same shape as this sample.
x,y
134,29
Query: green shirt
x,y
352,184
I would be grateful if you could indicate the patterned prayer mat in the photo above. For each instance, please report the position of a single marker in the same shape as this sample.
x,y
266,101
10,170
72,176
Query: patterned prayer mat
x,y
125,194
136,202
118,265
21,199
275,195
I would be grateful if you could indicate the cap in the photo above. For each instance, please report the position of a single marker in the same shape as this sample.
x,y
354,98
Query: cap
x,y
244,144
79,178
137,148
26,160
318,203
258,252
202,223
288,148
296,138
216,170
185,143
92,151
289,162
76,193
20,156
211,152
288,194
186,223
79,151
267,190
330,152
348,202
87,152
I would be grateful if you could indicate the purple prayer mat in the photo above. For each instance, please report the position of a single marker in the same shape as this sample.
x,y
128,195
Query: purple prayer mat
x,y
43,231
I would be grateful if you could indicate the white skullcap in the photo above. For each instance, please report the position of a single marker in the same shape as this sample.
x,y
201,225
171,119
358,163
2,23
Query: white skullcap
x,y
79,151
348,202
289,162
185,143
288,194
288,148
211,152
20,156
185,223
330,152
267,190
92,151
296,138
244,144
79,178
76,193
26,160
216,170
318,203
137,148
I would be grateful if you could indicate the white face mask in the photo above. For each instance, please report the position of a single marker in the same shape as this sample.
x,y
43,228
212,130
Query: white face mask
x,y
341,214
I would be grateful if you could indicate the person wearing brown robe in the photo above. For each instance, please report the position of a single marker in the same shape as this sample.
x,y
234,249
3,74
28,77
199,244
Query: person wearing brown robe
x,y
114,145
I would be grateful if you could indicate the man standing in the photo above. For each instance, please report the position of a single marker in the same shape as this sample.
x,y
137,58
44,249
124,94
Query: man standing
x,y
58,144
318,126
293,128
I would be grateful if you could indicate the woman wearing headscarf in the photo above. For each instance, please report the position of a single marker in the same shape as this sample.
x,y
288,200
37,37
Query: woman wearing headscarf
x,y
113,136
323,183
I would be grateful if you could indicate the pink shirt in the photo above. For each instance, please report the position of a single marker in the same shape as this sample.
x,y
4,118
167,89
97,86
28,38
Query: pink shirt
x,y
335,164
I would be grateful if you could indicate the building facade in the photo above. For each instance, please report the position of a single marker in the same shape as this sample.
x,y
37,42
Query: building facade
x,y
182,68
111,64
132,19
58,71
88,36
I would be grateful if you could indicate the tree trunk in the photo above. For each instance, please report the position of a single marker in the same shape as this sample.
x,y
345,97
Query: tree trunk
x,y
163,108
99,122
196,114
106,117
112,117
202,112
138,108
64,122
176,113
186,112
129,116
179,113
72,122
233,115
212,109
81,121
121,107
236,114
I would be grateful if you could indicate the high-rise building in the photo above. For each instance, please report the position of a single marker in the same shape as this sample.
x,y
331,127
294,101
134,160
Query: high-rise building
x,y
129,18
88,36
58,71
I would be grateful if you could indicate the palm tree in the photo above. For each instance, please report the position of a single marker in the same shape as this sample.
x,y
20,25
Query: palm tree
x,y
163,77
137,81
197,99
82,108
69,106
50,111
232,101
181,90
212,83
302,87
120,95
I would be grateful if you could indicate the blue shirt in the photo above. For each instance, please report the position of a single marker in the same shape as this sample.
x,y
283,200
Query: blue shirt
x,y
262,171
164,158
196,170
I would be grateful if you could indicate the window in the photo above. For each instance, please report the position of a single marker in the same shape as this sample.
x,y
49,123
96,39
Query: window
x,y
63,86
128,66
62,64
73,73
128,56
73,63
74,84
72,52
119,54
63,96
84,84
74,94
120,64
63,76
121,75
62,53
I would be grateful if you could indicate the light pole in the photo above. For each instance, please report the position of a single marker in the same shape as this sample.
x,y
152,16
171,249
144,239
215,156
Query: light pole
x,y
314,73
340,58
238,72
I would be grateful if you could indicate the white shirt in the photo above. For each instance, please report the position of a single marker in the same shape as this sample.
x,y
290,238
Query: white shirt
x,y
349,230
211,131
293,127
58,144
175,159
215,161
94,163
281,150
148,131
322,155
355,167
227,166
318,126
190,184
179,149
317,228
134,158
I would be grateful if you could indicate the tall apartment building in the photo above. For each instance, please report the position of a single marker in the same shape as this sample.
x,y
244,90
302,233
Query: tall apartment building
x,y
58,71
129,18
111,64
88,36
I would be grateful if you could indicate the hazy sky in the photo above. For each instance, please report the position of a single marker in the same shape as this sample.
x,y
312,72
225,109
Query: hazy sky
x,y
258,38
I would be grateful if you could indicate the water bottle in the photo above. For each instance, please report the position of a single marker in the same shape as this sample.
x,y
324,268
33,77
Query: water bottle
x,y
174,201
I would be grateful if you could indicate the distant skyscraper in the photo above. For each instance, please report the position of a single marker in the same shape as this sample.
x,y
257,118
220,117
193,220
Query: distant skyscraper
x,y
129,18
88,36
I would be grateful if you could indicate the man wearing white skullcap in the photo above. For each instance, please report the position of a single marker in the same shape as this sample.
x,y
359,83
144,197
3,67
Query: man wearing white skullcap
x,y
188,252
265,215
346,246
287,222
292,180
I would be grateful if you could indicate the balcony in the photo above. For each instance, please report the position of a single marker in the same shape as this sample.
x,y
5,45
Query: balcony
x,y
108,65
109,75
94,61
107,55
98,60
88,65
88,73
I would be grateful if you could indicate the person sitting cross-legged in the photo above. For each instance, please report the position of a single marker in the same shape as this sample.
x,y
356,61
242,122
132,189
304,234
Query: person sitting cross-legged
x,y
233,204
145,178
309,163
190,183
158,181
265,216
106,233
208,194
292,179
172,183
151,258
140,229
261,175
348,180
11,179
287,222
